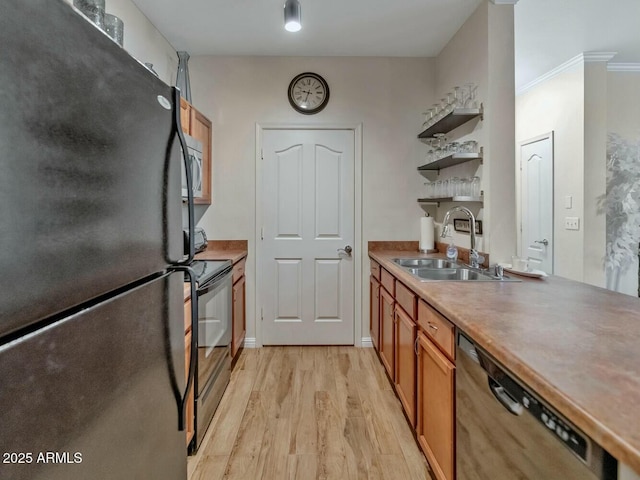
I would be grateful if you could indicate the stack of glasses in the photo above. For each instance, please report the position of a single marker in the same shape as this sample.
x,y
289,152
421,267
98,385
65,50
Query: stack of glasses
x,y
458,97
454,187
436,152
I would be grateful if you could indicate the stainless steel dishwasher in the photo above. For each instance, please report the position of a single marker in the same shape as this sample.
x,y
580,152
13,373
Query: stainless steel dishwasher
x,y
505,431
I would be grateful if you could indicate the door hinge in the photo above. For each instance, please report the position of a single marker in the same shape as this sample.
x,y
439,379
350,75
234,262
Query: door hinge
x,y
261,154
261,314
261,233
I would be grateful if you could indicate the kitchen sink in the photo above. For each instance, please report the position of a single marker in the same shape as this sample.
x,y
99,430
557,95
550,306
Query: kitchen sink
x,y
442,270
425,263
451,274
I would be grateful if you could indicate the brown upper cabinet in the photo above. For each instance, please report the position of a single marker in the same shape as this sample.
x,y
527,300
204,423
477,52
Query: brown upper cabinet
x,y
198,126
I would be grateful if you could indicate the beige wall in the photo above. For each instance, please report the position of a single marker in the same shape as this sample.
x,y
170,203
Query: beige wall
x,y
143,41
595,177
558,105
385,95
482,52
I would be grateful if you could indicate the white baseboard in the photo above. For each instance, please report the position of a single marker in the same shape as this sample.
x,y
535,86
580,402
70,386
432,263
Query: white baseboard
x,y
250,342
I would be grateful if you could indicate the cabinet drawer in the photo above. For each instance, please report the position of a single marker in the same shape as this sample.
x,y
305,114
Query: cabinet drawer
x,y
406,299
375,269
238,269
438,328
388,281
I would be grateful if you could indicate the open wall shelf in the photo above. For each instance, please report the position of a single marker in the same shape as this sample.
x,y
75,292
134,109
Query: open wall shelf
x,y
451,121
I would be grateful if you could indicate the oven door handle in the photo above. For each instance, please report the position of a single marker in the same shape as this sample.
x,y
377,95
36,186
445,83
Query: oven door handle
x,y
182,400
189,175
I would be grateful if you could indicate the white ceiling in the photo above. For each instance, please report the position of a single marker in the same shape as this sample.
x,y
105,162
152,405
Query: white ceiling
x,y
547,32
550,32
406,28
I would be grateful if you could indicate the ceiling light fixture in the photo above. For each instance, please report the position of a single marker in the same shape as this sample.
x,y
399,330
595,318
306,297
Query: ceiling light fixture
x,y
292,16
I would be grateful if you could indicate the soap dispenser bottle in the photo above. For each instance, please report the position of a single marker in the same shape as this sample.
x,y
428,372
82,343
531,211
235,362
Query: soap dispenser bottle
x,y
452,252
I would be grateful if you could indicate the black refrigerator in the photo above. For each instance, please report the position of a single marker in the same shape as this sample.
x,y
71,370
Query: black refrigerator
x,y
91,289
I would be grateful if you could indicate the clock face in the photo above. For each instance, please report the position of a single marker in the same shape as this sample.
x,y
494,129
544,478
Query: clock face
x,y
308,93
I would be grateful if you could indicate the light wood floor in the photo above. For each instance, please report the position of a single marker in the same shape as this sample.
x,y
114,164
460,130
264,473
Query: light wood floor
x,y
309,413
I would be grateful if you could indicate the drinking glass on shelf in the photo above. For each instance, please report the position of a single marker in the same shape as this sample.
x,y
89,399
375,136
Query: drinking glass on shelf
x,y
454,186
450,102
458,97
443,107
475,187
445,188
464,187
438,189
454,147
427,118
470,146
471,101
435,108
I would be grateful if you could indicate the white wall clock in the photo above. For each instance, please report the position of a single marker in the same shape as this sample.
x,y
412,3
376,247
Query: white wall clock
x,y
308,93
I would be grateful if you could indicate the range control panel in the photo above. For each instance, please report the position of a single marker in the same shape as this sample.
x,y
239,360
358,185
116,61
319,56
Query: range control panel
x,y
565,433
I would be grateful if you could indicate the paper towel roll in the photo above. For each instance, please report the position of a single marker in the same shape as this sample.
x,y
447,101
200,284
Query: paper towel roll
x,y
427,232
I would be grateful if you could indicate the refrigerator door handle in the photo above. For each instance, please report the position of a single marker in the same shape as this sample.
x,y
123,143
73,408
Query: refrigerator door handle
x,y
183,397
189,175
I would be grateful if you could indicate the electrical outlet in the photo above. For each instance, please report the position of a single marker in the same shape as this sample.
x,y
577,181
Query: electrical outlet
x,y
571,223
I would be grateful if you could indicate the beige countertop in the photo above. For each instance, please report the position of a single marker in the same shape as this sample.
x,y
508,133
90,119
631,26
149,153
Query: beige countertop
x,y
234,250
576,345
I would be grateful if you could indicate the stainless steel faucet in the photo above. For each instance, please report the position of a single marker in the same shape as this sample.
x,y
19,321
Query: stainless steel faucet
x,y
474,258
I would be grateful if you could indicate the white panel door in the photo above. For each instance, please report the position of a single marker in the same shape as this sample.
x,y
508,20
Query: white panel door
x,y
308,217
536,158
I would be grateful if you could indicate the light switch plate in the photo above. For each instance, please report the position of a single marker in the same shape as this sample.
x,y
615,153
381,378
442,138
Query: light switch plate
x,y
568,201
571,223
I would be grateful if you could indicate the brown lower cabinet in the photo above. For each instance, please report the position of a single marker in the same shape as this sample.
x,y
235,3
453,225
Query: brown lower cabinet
x,y
238,315
436,408
405,378
387,332
374,311
416,346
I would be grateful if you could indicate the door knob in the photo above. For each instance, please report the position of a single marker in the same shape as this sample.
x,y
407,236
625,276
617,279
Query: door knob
x,y
346,250
544,242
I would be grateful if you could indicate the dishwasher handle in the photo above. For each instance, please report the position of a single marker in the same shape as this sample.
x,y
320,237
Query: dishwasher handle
x,y
513,406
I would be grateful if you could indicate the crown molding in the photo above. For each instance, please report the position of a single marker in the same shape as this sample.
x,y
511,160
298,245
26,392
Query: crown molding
x,y
590,57
580,59
504,2
623,67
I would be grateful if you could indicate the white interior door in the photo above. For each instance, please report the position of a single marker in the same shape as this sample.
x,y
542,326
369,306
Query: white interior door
x,y
308,217
536,158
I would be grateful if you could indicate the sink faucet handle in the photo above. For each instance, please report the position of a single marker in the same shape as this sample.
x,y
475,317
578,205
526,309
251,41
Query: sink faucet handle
x,y
498,270
475,259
